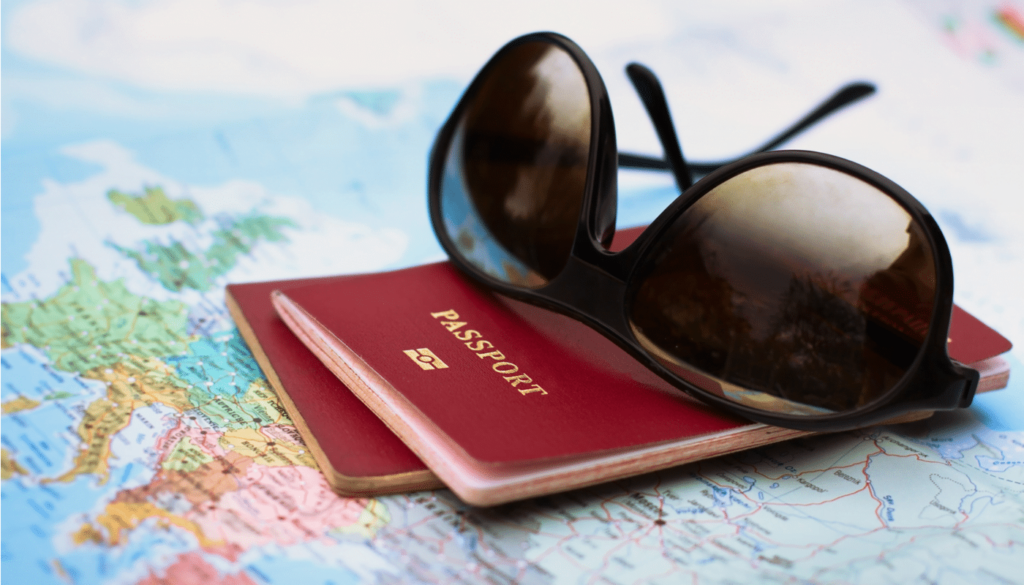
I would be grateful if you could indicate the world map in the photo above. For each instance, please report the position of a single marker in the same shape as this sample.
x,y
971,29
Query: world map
x,y
141,443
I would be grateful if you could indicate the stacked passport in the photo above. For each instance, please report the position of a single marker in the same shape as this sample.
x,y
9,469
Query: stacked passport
x,y
416,378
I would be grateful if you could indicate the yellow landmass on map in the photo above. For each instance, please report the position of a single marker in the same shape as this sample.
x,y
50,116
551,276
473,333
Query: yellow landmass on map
x,y
58,567
7,337
120,517
87,534
146,381
186,456
266,448
259,395
102,420
9,467
19,404
131,384
373,517
258,406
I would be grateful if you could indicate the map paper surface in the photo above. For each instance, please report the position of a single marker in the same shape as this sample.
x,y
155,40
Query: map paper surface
x,y
142,444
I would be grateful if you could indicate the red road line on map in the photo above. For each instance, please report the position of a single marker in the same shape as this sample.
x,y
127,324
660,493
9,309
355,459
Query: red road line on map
x,y
867,481
854,464
829,501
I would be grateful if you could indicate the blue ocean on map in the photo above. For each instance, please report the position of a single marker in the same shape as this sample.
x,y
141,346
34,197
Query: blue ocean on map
x,y
309,140
29,434
55,510
280,570
51,505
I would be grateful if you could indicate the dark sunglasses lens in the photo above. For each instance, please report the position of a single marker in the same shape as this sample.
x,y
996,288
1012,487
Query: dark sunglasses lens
x,y
515,170
790,288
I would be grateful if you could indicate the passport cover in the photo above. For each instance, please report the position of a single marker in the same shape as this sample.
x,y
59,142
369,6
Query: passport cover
x,y
504,400
355,450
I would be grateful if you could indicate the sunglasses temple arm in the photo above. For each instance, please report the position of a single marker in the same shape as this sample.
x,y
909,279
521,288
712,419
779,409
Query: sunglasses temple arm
x,y
653,97
845,96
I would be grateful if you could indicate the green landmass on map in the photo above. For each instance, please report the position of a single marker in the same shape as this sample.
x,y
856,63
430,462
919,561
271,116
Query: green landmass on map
x,y
154,207
177,268
102,331
58,396
89,323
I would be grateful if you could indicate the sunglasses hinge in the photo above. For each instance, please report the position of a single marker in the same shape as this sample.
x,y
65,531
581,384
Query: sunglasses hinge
x,y
969,386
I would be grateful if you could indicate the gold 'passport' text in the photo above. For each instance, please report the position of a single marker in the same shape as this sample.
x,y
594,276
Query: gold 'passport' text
x,y
473,340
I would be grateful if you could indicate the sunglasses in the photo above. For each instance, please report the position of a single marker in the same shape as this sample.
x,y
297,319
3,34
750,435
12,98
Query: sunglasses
x,y
794,288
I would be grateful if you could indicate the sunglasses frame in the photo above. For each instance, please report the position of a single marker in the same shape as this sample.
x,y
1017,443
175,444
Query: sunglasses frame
x,y
594,286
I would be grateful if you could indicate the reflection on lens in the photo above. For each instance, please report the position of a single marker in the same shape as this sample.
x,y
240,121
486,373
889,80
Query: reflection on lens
x,y
789,288
516,167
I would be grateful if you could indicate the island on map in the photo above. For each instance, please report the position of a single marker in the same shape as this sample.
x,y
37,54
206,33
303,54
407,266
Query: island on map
x,y
154,207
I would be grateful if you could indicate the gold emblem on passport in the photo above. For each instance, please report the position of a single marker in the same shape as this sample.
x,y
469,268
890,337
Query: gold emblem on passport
x,y
425,359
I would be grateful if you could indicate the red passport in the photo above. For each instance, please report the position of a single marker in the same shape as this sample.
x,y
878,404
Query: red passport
x,y
354,449
504,400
